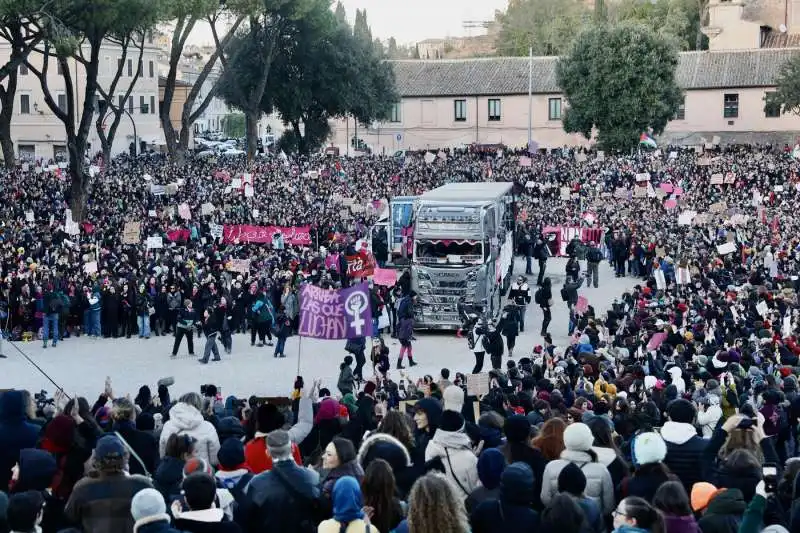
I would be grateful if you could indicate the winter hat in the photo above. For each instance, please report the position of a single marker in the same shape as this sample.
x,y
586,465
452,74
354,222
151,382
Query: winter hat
x,y
36,470
145,422
517,428
702,492
268,418
279,443
109,446
451,421
369,388
491,464
648,448
571,480
775,528
453,398
231,454
59,434
578,437
196,464
682,411
148,503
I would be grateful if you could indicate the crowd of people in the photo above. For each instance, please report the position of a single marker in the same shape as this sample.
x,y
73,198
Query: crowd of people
x,y
674,411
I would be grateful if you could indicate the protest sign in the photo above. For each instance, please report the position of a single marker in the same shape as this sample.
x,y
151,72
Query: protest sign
x,y
525,161
152,213
236,183
477,384
601,156
670,204
429,158
241,266
172,189
248,191
70,226
360,265
566,193
685,218
582,305
215,230
730,178
297,235
154,243
643,176
29,216
727,248
717,179
335,314
90,268
207,208
666,187
530,184
384,276
718,207
580,157
656,340
130,234
184,212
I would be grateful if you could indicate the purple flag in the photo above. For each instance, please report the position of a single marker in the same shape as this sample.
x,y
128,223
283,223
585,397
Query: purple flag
x,y
335,314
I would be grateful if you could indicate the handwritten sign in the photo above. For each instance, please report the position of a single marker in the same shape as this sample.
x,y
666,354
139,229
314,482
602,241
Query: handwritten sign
x,y
241,266
155,243
384,276
477,384
130,234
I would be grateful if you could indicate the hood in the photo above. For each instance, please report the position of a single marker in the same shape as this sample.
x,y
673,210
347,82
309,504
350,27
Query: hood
x,y
433,409
203,515
383,446
185,417
729,501
516,484
606,456
490,467
36,470
12,407
677,432
347,502
452,439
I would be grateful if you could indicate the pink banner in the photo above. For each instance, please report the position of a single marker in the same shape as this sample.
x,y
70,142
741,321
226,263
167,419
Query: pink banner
x,y
297,235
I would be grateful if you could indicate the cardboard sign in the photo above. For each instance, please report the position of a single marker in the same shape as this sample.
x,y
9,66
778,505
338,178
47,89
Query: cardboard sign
x,y
717,179
730,178
152,213
90,268
184,212
525,161
216,230
154,243
656,340
130,234
718,207
241,266
384,276
429,158
601,156
685,218
643,176
727,248
477,384
566,193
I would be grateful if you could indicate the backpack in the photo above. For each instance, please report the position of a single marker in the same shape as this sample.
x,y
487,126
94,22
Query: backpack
x,y
564,294
538,296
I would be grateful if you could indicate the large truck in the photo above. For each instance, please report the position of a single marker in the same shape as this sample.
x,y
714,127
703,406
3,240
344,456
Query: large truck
x,y
463,252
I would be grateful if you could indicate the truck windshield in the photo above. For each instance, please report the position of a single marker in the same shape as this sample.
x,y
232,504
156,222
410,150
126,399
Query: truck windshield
x,y
442,251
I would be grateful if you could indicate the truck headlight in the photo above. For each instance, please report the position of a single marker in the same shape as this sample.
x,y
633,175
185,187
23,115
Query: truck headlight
x,y
422,275
472,276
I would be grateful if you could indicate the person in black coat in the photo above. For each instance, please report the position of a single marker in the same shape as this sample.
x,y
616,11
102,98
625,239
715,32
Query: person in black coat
x,y
197,513
517,449
143,443
543,297
16,432
685,448
512,512
186,321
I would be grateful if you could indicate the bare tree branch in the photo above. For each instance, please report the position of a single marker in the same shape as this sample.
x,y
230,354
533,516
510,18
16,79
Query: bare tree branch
x,y
42,77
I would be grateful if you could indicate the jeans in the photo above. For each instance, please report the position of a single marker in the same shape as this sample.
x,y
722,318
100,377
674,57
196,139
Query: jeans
x,y
50,325
521,317
94,322
144,325
211,346
281,344
528,261
592,273
227,341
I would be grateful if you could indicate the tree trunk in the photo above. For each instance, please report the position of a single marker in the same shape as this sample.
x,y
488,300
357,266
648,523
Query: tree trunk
x,y
251,133
79,189
301,142
7,96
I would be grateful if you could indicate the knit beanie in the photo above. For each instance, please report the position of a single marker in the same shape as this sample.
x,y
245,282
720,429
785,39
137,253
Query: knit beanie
x,y
517,428
578,437
648,448
147,503
231,454
682,411
451,421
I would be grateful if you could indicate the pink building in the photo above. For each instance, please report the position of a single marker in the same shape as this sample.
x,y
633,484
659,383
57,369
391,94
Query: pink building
x,y
450,103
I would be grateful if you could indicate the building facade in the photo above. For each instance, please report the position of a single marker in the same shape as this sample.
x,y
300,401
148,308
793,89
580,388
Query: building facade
x,y
451,103
39,134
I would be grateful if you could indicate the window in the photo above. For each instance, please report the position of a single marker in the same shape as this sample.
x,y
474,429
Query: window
x,y
62,102
23,69
130,68
554,109
395,114
731,105
140,72
772,110
460,110
150,37
119,65
143,106
152,105
130,104
59,70
25,104
494,109
681,113
152,69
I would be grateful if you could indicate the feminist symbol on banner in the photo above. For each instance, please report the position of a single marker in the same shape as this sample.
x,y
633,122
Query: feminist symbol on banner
x,y
354,305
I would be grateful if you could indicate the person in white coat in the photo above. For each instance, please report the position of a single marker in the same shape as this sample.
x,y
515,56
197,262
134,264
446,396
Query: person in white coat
x,y
578,440
451,446
709,412
186,418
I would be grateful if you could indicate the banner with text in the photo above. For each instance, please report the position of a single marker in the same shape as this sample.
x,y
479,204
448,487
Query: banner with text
x,y
335,314
297,235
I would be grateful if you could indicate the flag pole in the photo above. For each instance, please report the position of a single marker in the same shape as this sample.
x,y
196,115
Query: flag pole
x,y
299,352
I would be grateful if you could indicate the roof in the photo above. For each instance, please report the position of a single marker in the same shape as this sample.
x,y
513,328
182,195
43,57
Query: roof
x,y
162,82
777,39
467,192
509,75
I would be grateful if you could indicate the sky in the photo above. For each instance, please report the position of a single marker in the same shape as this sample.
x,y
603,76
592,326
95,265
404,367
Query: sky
x,y
408,21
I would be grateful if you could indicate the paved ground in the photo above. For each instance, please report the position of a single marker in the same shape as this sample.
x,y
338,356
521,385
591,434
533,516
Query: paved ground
x,y
81,365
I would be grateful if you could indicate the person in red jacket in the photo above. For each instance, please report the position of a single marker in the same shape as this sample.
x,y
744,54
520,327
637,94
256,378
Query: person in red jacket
x,y
269,419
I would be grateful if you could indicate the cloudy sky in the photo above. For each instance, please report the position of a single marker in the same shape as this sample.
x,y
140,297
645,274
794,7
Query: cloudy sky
x,y
410,21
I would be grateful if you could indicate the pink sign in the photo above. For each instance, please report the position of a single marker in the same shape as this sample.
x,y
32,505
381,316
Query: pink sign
x,y
677,191
384,276
582,305
667,187
656,340
670,204
297,235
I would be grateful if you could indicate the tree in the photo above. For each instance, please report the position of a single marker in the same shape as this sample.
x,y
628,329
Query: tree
x,y
549,26
361,29
341,14
185,16
619,79
391,48
21,23
90,23
247,69
234,125
786,97
326,72
110,109
680,20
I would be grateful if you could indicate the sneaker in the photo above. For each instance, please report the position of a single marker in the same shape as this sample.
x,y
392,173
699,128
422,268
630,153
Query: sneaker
x,y
3,356
283,355
44,345
269,343
202,361
260,344
411,363
217,359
